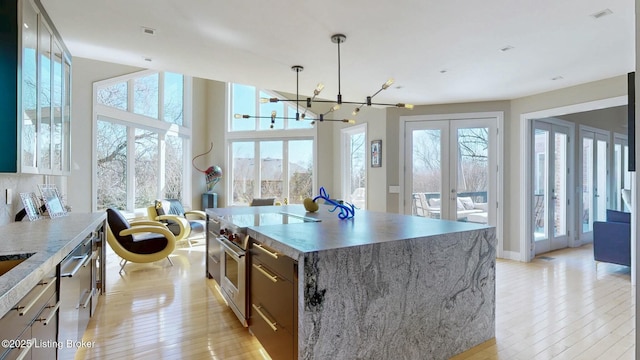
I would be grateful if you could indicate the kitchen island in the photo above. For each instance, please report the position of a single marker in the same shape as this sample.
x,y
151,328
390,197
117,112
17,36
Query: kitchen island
x,y
385,286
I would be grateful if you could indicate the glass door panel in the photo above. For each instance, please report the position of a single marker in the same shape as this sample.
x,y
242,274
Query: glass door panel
x,y
56,109
540,184
472,174
601,180
559,190
621,175
587,184
356,168
45,94
427,172
550,186
29,89
595,179
448,170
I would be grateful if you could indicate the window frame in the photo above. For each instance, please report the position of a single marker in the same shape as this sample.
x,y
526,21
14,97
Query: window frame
x,y
134,121
258,135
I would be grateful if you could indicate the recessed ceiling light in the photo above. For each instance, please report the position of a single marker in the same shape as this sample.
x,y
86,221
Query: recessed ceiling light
x,y
148,59
557,78
148,31
506,48
443,71
601,14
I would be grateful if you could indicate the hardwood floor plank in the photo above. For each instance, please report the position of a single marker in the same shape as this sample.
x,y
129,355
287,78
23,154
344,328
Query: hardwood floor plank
x,y
562,308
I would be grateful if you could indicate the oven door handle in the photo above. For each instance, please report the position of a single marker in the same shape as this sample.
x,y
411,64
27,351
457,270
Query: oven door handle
x,y
236,255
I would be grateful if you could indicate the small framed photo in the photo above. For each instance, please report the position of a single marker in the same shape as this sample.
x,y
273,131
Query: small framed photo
x,y
376,153
31,205
52,201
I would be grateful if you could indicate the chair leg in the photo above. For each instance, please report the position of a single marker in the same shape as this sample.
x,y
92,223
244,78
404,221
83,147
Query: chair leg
x,y
170,262
122,264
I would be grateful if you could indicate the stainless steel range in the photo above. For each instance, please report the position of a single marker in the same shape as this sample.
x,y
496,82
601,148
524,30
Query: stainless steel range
x,y
234,241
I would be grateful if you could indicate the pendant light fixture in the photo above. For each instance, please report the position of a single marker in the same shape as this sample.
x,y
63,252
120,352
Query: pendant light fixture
x,y
336,39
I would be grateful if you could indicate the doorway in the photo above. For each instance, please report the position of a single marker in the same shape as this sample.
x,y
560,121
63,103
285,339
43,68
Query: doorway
x,y
451,168
595,174
551,169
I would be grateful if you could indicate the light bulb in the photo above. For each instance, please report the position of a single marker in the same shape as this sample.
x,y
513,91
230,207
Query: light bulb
x,y
273,113
355,111
387,84
406,106
335,107
318,88
264,100
237,116
350,121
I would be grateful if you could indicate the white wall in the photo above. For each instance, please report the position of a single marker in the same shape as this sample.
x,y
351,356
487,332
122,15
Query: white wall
x,y
85,73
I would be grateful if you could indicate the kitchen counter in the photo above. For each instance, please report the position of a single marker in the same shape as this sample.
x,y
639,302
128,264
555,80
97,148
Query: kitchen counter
x,y
383,285
50,241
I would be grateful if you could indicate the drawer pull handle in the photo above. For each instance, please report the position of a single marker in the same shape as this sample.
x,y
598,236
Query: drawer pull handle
x,y
272,254
86,302
81,262
25,350
272,324
25,309
265,273
48,319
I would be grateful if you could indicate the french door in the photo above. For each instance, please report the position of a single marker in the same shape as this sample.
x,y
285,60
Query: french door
x,y
451,169
595,174
621,174
550,186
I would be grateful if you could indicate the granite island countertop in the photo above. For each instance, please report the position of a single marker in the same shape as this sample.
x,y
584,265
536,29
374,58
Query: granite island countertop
x,y
366,228
50,241
383,285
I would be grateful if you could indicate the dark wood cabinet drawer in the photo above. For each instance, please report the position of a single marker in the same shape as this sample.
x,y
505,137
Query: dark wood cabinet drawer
x,y
277,262
273,294
278,343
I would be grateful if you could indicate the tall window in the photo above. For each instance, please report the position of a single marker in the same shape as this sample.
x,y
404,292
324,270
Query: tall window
x,y
268,160
141,140
354,165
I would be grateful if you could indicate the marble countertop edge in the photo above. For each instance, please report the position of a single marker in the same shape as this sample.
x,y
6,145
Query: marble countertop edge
x,y
51,240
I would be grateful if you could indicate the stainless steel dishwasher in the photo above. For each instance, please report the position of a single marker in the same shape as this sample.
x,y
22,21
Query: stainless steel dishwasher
x,y
76,291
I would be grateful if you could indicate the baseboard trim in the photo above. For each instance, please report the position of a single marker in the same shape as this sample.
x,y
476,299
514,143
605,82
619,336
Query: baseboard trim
x,y
511,255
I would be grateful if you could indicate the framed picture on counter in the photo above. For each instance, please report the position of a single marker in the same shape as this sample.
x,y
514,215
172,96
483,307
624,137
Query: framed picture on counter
x,y
52,201
31,205
376,153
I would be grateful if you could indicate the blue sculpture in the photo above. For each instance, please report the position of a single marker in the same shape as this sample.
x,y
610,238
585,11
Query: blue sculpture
x,y
347,211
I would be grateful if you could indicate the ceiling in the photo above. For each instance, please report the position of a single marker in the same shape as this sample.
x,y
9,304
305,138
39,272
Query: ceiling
x,y
437,51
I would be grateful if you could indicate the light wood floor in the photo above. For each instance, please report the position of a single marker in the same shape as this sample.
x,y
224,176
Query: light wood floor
x,y
557,307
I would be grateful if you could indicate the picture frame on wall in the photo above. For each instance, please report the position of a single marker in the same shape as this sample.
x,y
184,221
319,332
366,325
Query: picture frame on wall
x,y
376,153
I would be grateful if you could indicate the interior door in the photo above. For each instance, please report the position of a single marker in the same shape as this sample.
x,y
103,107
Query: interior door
x,y
550,186
449,170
